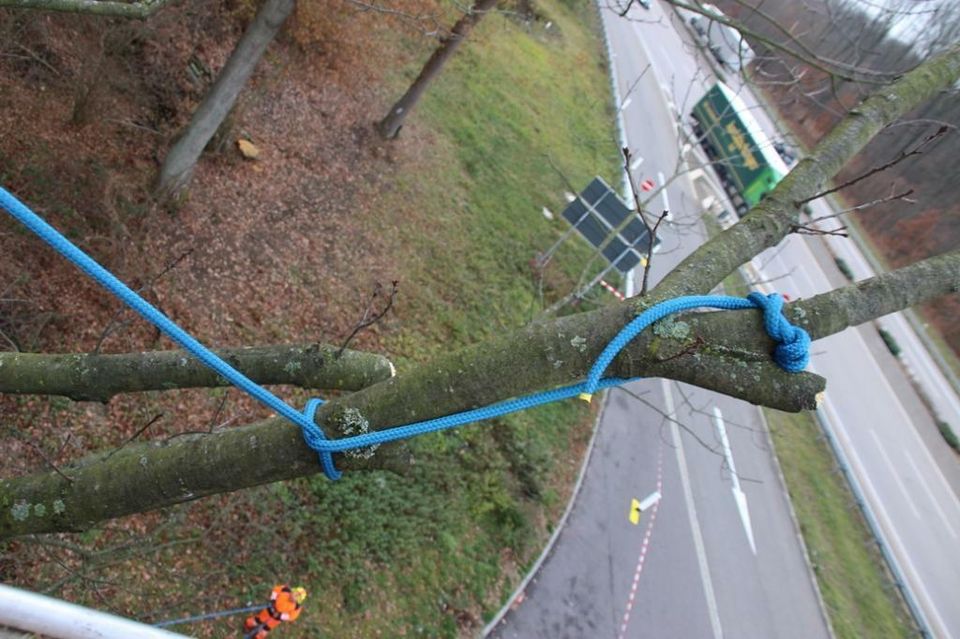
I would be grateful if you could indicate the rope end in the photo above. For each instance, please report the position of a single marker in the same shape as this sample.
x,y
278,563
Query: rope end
x,y
586,397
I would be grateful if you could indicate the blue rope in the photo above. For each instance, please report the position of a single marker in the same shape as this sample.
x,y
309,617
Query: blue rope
x,y
791,353
212,615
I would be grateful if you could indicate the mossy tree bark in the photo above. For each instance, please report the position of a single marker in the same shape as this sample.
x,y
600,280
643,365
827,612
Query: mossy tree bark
x,y
106,8
724,351
183,156
86,377
389,126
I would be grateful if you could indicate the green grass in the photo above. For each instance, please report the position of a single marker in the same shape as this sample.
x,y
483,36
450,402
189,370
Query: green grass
x,y
433,553
857,590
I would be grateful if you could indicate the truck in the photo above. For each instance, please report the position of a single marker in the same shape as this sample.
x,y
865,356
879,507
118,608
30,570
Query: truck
x,y
743,156
725,43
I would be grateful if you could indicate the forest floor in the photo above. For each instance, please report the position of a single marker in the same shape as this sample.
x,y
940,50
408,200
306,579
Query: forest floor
x,y
288,248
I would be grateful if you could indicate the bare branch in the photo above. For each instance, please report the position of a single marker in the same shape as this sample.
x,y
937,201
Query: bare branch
x,y
917,150
369,317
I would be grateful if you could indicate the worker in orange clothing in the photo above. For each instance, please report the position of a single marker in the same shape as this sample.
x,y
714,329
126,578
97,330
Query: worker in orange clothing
x,y
284,606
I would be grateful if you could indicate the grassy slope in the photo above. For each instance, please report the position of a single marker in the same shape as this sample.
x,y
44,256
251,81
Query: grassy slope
x,y
432,554
857,590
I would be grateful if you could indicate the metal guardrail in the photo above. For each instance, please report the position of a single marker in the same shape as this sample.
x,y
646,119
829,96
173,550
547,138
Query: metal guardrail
x,y
891,561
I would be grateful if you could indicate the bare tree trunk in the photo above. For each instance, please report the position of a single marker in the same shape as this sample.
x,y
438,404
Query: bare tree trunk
x,y
389,127
182,158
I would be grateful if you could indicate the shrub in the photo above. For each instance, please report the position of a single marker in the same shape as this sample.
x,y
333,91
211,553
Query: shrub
x,y
844,268
948,435
890,342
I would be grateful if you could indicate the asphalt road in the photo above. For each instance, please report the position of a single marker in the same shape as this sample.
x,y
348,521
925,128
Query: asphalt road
x,y
686,568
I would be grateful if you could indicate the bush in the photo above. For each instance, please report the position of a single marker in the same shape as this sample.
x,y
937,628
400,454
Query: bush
x,y
890,342
844,268
949,435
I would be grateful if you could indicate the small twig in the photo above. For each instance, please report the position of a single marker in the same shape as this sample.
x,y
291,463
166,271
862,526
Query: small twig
x,y
808,230
114,324
670,418
135,435
422,22
368,319
651,239
9,341
216,414
48,461
917,150
651,230
890,198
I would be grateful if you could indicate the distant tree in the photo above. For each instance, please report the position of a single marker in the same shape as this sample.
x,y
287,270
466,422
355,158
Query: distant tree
x,y
180,161
389,126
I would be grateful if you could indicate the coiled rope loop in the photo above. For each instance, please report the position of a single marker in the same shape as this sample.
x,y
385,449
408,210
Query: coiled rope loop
x,y
791,353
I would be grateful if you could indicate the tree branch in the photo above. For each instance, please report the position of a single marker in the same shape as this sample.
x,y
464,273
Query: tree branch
x,y
87,377
107,8
734,359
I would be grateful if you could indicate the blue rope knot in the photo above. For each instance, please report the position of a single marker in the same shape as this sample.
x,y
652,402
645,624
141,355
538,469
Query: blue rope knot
x,y
792,352
315,438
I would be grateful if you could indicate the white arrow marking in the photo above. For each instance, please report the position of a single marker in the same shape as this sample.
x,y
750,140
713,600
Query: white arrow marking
x,y
650,500
663,194
738,495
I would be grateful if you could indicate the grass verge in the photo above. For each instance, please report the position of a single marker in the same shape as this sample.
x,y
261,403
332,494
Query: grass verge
x,y
857,590
432,553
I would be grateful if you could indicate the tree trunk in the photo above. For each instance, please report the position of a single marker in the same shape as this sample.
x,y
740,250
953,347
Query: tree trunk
x,y
182,158
389,127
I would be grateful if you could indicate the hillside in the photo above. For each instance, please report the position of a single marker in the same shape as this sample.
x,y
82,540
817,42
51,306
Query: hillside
x,y
288,249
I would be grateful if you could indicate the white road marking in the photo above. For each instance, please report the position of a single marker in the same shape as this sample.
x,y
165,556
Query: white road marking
x,y
650,500
738,496
893,473
663,194
626,103
637,162
929,494
712,610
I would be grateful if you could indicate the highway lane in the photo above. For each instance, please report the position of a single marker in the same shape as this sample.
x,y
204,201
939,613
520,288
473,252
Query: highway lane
x,y
911,498
693,572
876,413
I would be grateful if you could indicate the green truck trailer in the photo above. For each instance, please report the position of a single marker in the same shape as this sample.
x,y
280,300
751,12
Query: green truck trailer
x,y
742,155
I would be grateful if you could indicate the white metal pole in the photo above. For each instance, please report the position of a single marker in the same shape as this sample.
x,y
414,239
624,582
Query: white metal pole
x,y
28,611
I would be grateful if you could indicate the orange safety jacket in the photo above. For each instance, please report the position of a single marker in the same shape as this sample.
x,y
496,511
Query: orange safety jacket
x,y
283,607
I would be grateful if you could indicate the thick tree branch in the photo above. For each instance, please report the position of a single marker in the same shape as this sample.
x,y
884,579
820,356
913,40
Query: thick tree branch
x,y
87,377
729,353
107,8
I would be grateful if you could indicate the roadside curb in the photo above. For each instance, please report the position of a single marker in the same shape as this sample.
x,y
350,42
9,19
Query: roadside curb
x,y
561,523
